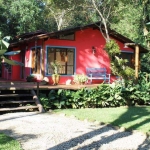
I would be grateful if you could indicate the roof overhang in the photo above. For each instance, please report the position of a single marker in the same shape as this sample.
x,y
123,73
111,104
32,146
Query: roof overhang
x,y
32,36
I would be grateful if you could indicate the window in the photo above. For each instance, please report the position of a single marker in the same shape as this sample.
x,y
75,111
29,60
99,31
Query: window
x,y
129,56
66,58
69,36
65,36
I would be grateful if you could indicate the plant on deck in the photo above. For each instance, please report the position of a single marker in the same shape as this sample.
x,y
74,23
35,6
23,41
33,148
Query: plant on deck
x,y
80,79
31,78
56,65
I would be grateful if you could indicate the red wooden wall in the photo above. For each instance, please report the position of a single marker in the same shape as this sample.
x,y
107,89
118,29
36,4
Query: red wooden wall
x,y
84,41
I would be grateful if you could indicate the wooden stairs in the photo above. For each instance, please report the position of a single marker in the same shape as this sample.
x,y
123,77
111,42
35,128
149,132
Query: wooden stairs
x,y
19,100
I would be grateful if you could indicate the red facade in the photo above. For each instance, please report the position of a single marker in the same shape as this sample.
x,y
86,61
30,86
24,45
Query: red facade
x,y
83,43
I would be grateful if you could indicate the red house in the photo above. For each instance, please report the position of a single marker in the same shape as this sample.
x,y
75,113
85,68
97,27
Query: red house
x,y
75,48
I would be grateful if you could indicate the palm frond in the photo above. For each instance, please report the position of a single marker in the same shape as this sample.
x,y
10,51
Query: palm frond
x,y
12,62
12,53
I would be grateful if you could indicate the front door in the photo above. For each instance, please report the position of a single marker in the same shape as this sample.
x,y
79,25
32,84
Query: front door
x,y
36,59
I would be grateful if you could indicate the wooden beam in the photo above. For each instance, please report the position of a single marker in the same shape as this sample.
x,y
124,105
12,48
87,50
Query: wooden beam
x,y
18,108
136,61
42,57
12,101
41,109
15,95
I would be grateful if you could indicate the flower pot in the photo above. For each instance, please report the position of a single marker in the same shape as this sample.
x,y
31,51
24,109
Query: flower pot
x,y
55,78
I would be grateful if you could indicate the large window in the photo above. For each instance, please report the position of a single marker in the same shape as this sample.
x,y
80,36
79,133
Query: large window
x,y
63,55
129,56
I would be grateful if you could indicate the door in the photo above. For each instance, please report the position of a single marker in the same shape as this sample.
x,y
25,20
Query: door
x,y
36,59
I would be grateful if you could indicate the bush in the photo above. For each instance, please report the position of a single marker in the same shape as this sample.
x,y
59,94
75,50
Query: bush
x,y
31,78
105,95
80,79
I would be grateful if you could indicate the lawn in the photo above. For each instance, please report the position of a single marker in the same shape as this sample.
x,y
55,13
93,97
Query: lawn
x,y
132,118
8,143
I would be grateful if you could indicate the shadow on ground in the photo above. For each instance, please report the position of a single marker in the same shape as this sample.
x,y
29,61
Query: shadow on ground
x,y
19,116
130,114
133,114
18,136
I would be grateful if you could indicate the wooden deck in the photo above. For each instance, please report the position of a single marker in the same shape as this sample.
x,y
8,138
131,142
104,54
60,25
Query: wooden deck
x,y
21,85
15,95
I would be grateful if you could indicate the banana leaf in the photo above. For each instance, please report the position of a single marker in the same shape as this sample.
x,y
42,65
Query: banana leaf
x,y
12,53
4,43
2,52
12,62
7,38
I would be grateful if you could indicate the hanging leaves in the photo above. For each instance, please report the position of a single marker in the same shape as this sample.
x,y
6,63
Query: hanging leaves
x,y
4,44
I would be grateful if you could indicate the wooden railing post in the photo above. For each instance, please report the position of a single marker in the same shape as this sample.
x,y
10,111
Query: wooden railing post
x,y
136,61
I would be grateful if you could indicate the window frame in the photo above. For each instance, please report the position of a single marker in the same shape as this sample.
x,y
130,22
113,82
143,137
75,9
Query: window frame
x,y
63,36
128,52
65,47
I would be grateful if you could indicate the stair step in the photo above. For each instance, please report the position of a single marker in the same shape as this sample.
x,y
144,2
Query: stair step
x,y
18,108
15,95
18,83
19,101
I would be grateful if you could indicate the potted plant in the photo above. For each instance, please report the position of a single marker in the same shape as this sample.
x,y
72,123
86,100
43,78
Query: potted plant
x,y
55,76
31,78
80,79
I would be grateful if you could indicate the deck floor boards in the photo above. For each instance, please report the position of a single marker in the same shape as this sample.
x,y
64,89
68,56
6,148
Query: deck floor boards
x,y
29,86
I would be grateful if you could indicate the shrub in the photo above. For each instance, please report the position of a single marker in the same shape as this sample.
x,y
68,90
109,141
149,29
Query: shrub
x,y
121,93
80,79
31,78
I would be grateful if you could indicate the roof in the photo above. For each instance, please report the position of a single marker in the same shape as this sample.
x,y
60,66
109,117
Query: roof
x,y
24,38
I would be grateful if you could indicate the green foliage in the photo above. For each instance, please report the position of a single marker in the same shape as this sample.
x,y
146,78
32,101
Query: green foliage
x,y
83,98
4,45
112,48
126,17
44,101
8,143
18,17
80,78
56,65
65,14
127,21
122,70
26,14
31,78
137,93
120,93
132,118
145,63
118,65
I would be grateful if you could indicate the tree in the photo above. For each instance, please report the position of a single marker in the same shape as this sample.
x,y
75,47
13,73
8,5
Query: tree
x,y
21,16
106,10
128,21
63,12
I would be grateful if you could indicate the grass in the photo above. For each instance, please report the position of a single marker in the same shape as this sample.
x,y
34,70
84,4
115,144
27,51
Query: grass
x,y
8,143
132,118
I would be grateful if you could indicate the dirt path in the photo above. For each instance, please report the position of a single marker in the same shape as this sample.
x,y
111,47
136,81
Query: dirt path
x,y
56,132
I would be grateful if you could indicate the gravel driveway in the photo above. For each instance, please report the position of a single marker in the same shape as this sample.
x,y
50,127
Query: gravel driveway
x,y
49,131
